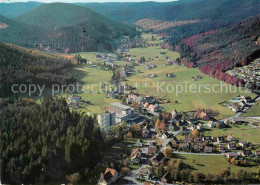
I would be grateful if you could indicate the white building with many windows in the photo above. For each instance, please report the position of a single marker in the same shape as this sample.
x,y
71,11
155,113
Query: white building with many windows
x,y
106,120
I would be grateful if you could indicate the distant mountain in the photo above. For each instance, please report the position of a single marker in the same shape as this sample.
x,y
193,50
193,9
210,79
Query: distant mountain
x,y
16,9
56,15
65,28
224,10
211,14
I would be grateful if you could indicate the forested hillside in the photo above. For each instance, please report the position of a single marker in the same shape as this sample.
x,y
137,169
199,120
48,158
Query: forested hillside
x,y
19,33
45,143
227,10
211,14
19,65
217,51
64,28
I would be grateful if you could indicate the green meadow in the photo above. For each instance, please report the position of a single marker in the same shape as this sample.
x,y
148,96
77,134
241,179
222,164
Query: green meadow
x,y
254,111
240,132
184,93
212,164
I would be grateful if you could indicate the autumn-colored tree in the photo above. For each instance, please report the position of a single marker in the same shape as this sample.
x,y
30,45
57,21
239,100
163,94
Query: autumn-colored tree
x,y
125,171
171,164
233,161
157,125
167,152
162,126
73,178
195,133
178,124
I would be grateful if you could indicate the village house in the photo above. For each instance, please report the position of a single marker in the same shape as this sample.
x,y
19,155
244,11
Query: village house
x,y
110,176
187,140
149,99
143,174
203,115
135,159
152,75
174,114
135,155
220,124
197,140
227,121
170,75
74,100
220,139
184,146
240,155
212,124
206,138
136,152
230,138
208,149
192,121
158,158
145,133
138,143
197,148
232,146
153,108
222,149
152,149
257,153
247,153
200,126
231,155
166,178
242,144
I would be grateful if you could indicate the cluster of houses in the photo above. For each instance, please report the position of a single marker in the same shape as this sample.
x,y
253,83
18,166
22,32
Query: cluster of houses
x,y
119,90
140,155
207,144
127,71
238,103
250,74
107,59
147,103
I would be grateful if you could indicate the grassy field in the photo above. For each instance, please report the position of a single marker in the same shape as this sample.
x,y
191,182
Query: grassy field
x,y
185,100
188,100
91,80
243,132
213,164
253,111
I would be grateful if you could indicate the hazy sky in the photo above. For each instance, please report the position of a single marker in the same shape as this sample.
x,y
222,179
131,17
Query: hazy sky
x,y
86,1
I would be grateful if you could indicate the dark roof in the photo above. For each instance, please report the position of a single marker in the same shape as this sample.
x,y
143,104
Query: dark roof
x,y
160,156
108,176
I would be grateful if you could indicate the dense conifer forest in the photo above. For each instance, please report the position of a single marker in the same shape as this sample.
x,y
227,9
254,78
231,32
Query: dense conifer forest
x,y
42,143
19,65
